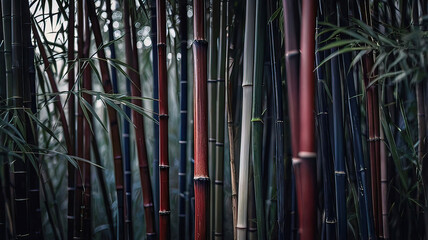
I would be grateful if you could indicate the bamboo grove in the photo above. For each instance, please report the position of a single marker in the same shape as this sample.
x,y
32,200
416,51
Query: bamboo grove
x,y
213,119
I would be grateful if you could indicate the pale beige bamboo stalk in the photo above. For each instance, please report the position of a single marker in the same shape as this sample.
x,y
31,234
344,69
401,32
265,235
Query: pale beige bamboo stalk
x,y
247,89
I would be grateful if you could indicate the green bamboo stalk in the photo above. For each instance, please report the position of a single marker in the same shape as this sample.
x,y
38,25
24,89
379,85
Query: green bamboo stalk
x,y
229,116
3,155
219,171
247,85
212,103
252,224
256,121
7,43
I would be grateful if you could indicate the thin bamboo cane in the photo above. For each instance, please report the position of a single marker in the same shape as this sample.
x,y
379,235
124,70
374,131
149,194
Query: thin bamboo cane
x,y
19,178
219,161
114,130
247,85
366,220
256,121
329,218
305,167
112,45
7,42
201,175
252,223
86,154
212,102
71,79
3,155
143,161
30,104
183,120
153,37
372,108
132,76
339,155
229,110
73,201
164,212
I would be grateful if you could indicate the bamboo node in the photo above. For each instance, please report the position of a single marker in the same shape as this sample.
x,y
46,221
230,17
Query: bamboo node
x,y
212,80
304,154
161,166
220,80
322,113
292,53
219,144
201,178
340,172
181,174
211,140
164,212
21,199
218,182
182,141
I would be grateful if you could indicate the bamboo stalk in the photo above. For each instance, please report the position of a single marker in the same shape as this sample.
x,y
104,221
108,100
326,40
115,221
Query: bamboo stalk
x,y
219,154
3,155
305,166
113,122
73,201
364,201
85,212
212,103
143,161
164,212
153,37
30,105
132,76
247,85
7,42
201,175
252,223
256,121
19,178
183,120
229,116
329,218
112,45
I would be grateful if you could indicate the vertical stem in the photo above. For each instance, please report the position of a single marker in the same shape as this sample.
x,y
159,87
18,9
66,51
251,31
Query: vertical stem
x,y
113,121
212,102
183,121
247,85
231,136
153,37
305,166
201,177
219,171
164,212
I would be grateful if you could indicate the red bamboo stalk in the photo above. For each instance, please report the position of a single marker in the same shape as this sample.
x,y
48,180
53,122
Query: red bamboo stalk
x,y
305,165
164,212
132,60
201,176
114,129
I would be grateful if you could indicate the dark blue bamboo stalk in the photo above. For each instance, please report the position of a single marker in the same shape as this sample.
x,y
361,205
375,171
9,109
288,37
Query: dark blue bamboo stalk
x,y
339,156
279,122
366,219
183,121
153,37
329,221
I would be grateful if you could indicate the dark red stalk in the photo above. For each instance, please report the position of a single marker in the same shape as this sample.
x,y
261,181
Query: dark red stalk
x,y
132,60
305,165
201,177
114,129
292,58
372,109
164,212
73,205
